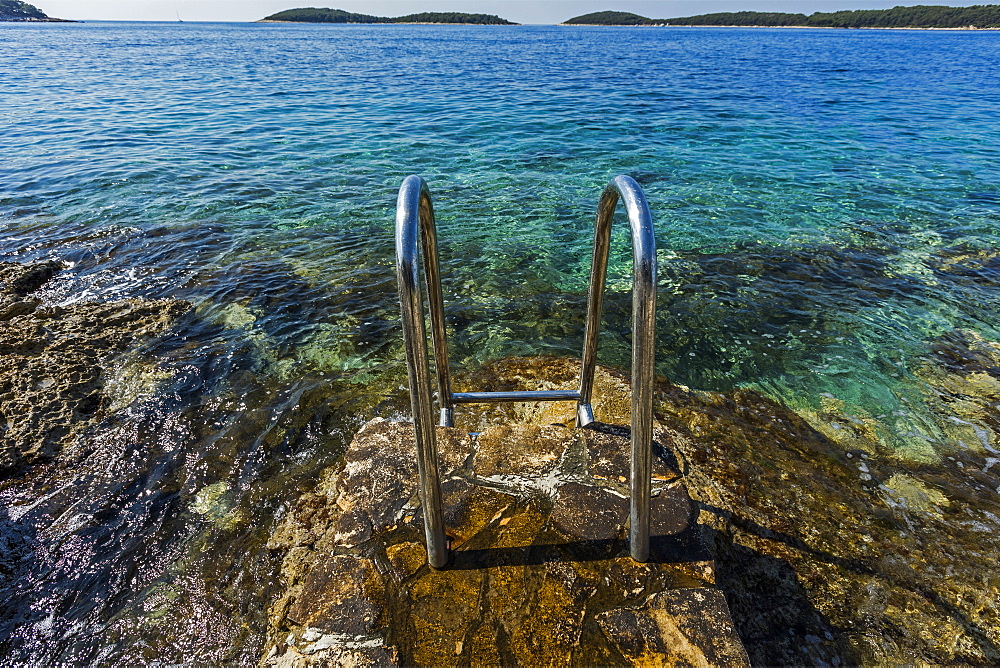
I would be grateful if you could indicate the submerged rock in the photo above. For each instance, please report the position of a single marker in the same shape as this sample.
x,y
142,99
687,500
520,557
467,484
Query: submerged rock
x,y
53,360
833,555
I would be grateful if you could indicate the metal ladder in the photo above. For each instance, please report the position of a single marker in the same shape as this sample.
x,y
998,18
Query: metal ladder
x,y
415,220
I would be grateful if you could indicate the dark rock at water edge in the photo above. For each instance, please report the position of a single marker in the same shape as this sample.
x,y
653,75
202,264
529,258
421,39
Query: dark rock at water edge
x,y
54,360
19,280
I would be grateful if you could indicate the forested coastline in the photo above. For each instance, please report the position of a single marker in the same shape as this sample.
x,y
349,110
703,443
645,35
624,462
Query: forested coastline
x,y
920,16
17,11
317,15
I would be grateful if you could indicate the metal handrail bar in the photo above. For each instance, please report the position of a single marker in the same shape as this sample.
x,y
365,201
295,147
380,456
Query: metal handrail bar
x,y
500,397
415,217
643,342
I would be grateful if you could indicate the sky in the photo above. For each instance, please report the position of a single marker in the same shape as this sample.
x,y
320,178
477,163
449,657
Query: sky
x,y
519,11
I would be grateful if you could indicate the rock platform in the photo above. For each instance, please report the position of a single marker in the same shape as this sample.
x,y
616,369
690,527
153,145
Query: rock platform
x,y
539,573
831,548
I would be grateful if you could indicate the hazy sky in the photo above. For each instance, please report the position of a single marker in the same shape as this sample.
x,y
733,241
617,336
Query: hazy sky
x,y
521,11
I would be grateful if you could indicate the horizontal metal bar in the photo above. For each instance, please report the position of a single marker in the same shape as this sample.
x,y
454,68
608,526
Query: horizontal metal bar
x,y
498,397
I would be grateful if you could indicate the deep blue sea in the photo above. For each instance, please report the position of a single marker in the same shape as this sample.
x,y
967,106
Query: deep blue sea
x,y
827,208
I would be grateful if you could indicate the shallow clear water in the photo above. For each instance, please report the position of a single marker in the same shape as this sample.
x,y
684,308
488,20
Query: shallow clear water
x,y
827,204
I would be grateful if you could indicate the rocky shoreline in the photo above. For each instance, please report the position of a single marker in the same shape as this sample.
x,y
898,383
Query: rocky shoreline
x,y
539,571
829,546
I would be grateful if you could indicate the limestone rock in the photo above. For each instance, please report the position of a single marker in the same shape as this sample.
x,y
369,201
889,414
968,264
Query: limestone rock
x,y
343,595
590,513
680,627
519,450
831,546
538,554
21,279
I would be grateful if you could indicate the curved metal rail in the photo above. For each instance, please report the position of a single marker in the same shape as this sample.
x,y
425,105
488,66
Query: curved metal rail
x,y
414,212
415,217
643,342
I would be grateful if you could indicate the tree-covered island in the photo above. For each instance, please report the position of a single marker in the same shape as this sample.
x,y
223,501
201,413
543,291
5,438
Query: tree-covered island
x,y
920,16
15,10
317,15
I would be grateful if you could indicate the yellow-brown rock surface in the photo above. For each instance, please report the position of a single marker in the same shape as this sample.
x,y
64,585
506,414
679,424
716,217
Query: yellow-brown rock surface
x,y
829,548
539,573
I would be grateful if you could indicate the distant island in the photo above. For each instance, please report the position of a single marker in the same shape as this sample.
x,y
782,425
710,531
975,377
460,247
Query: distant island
x,y
14,10
920,16
315,15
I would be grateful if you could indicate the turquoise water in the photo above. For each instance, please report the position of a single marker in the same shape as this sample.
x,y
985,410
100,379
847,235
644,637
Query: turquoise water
x,y
827,205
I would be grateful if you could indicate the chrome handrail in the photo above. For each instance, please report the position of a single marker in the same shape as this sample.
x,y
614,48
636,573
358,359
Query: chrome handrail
x,y
414,212
643,342
415,215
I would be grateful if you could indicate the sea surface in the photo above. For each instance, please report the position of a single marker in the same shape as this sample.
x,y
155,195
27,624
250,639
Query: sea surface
x,y
827,210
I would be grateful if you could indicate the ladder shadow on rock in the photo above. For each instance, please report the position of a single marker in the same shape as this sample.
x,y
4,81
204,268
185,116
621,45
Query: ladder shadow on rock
x,y
685,547
682,545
